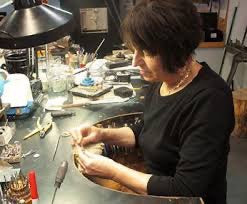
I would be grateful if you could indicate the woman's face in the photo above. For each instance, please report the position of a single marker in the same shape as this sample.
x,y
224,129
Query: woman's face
x,y
150,66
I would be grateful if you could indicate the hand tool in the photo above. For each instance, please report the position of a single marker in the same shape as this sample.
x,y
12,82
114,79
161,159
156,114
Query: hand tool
x,y
44,128
56,114
61,172
41,129
30,152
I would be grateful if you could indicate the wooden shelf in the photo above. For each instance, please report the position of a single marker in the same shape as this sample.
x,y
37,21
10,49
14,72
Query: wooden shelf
x,y
222,23
212,45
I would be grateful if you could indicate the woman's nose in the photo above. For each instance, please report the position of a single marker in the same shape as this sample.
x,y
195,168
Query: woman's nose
x,y
136,59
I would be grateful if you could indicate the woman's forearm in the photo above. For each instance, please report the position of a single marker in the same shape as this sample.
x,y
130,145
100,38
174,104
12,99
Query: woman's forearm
x,y
119,136
132,179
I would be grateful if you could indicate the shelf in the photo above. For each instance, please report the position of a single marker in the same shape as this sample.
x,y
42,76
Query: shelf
x,y
212,45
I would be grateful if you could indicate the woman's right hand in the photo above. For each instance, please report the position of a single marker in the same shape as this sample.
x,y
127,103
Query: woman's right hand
x,y
85,135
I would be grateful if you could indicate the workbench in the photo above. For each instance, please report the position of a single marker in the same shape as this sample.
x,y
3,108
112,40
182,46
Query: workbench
x,y
76,189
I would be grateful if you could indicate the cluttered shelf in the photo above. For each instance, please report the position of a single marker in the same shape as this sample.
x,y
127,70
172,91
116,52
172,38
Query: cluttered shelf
x,y
214,16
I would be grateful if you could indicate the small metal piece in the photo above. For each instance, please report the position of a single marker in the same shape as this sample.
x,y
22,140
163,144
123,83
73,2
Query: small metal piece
x,y
42,133
243,40
66,134
30,152
54,195
56,148
43,129
36,155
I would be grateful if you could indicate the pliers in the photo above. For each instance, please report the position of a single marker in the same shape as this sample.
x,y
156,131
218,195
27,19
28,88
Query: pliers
x,y
41,129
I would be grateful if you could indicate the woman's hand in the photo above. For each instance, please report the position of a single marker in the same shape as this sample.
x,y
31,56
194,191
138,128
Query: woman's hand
x,y
84,135
96,165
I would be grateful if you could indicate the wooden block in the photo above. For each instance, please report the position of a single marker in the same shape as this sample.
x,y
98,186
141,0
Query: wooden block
x,y
240,109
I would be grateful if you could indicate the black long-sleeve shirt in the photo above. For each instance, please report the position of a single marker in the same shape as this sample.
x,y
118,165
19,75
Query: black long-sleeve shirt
x,y
185,138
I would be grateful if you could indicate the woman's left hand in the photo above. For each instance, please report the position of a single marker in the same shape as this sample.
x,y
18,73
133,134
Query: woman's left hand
x,y
96,165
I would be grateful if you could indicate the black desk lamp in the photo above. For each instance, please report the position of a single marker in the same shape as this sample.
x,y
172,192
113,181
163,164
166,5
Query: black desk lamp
x,y
33,23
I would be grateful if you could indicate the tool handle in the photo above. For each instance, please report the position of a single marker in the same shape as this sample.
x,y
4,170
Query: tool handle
x,y
33,185
61,172
61,113
31,134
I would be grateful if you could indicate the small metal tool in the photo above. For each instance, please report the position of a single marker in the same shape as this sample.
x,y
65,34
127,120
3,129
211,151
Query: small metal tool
x,y
30,152
41,129
55,152
44,129
61,172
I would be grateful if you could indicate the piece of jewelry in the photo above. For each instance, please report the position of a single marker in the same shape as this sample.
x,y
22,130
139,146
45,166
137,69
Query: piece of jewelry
x,y
181,82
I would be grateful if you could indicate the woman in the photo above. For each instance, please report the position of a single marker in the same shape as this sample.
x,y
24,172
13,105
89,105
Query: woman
x,y
188,113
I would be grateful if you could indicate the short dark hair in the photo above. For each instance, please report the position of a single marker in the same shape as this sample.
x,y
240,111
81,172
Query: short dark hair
x,y
169,28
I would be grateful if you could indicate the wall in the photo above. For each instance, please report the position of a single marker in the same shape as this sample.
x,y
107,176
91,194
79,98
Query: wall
x,y
213,56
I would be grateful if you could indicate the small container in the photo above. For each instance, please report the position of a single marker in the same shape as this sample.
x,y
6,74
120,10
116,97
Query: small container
x,y
58,83
70,81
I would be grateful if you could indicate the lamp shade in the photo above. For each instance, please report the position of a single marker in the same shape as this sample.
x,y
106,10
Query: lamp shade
x,y
37,25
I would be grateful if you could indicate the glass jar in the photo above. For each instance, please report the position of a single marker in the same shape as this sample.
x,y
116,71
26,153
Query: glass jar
x,y
57,81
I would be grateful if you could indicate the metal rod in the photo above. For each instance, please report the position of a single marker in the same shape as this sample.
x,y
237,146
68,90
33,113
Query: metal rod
x,y
97,49
243,41
228,39
55,152
46,57
111,14
1,194
28,66
29,57
222,62
232,24
116,11
94,56
32,56
54,195
233,70
36,64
